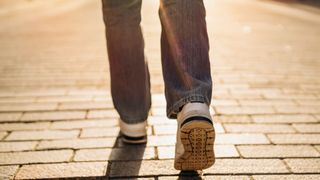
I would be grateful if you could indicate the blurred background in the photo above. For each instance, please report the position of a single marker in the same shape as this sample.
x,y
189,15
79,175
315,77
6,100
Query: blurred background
x,y
61,44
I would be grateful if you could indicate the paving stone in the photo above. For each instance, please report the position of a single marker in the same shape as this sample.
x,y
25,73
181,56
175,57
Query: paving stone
x,y
158,100
142,168
222,166
3,134
295,138
218,128
164,140
241,139
224,102
17,146
318,147
35,157
62,170
100,132
246,94
5,93
105,132
304,165
8,172
102,114
55,115
296,118
226,87
298,109
4,117
85,106
310,87
92,154
227,177
168,152
156,111
17,99
24,126
10,107
232,119
277,151
221,95
289,96
287,177
107,98
88,123
225,151
45,134
258,128
247,166
40,92
209,177
244,110
309,102
77,143
64,99
161,120
165,130
269,102
116,154
90,90
307,128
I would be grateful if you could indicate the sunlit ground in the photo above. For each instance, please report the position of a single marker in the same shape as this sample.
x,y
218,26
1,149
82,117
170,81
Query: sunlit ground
x,y
56,113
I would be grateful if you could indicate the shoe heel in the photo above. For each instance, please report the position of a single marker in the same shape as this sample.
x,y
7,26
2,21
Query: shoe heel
x,y
197,138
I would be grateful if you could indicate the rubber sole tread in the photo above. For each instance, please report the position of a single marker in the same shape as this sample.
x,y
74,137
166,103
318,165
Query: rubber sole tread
x,y
197,138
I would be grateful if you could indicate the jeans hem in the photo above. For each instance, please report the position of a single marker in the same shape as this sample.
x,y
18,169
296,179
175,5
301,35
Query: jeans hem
x,y
174,110
131,120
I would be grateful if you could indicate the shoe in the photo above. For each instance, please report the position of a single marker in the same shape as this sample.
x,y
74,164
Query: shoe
x,y
195,138
133,133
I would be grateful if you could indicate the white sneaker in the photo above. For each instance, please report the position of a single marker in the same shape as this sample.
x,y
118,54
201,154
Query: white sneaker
x,y
133,133
195,138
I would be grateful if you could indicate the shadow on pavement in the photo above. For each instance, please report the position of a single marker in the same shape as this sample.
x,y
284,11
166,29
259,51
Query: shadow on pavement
x,y
125,152
190,175
133,154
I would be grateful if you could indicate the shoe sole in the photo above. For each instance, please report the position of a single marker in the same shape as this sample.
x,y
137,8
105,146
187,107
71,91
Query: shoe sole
x,y
197,138
134,142
140,140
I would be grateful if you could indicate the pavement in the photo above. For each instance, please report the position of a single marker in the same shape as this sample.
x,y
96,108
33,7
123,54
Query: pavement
x,y
58,121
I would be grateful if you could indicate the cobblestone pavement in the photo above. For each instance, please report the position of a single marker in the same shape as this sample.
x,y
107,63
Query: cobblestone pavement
x,y
56,113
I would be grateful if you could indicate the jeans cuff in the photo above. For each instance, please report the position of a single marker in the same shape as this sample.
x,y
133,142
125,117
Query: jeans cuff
x,y
133,120
175,109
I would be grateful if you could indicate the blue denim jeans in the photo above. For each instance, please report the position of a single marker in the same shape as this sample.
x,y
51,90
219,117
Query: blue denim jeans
x,y
184,56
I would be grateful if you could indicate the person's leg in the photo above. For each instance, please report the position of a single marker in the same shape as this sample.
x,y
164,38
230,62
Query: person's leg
x,y
188,84
184,54
130,84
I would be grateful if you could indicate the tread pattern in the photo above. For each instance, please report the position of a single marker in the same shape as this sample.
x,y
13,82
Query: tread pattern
x,y
197,139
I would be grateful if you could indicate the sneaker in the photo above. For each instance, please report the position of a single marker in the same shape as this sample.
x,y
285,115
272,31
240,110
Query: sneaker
x,y
133,133
195,138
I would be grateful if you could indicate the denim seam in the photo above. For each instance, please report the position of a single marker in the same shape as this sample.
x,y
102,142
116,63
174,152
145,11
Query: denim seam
x,y
174,109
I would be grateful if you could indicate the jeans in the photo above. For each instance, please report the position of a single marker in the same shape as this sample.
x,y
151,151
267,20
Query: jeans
x,y
184,56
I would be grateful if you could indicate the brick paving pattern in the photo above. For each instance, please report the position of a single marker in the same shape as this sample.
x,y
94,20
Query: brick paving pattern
x,y
56,114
